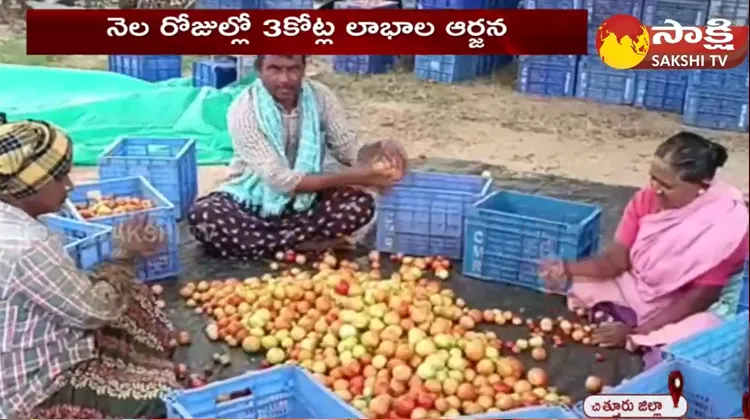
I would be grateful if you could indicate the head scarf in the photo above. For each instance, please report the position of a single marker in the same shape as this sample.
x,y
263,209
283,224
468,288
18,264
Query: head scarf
x,y
32,153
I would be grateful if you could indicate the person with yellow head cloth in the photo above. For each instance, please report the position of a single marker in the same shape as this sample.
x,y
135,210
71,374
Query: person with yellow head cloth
x,y
72,345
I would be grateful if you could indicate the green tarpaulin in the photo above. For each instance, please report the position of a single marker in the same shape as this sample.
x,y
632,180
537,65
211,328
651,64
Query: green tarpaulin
x,y
97,107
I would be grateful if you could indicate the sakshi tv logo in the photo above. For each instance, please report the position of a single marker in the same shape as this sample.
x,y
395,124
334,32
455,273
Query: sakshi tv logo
x,y
624,43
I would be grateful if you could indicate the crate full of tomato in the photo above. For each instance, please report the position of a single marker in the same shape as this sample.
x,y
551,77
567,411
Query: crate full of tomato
x,y
116,201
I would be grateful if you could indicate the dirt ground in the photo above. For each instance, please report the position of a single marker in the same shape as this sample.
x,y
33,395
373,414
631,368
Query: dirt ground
x,y
483,121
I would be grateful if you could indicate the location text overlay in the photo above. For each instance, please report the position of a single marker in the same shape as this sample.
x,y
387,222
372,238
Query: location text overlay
x,y
634,406
315,32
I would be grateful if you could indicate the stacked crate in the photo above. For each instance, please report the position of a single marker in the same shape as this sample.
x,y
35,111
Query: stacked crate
x,y
287,4
227,4
734,10
215,72
151,68
254,4
166,262
598,82
466,4
460,68
601,10
718,99
664,90
548,75
446,68
661,90
364,64
457,68
458,4
162,171
686,12
169,164
594,79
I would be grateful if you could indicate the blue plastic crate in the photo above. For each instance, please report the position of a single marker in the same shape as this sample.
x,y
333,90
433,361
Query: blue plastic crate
x,y
446,68
508,233
601,10
88,244
365,4
228,4
151,68
214,73
597,82
547,75
169,164
730,80
707,395
288,4
505,4
551,60
724,348
707,108
734,10
424,213
499,61
553,4
457,68
283,392
487,64
686,12
455,4
743,305
363,64
661,90
165,263
541,412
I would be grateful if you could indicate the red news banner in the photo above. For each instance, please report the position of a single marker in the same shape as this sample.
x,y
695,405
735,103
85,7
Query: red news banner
x,y
345,32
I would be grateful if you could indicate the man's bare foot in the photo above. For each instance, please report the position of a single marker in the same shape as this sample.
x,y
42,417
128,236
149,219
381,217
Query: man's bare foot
x,y
344,243
347,243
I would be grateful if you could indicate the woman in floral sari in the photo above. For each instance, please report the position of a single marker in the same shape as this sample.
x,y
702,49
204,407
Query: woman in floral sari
x,y
72,345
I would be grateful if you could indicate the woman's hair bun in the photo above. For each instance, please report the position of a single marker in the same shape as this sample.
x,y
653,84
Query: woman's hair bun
x,y
719,153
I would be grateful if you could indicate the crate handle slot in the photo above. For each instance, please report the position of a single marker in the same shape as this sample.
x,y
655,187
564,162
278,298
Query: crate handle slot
x,y
234,395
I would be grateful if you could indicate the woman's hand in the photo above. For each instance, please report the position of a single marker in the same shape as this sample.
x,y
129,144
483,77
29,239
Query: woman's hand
x,y
555,275
139,237
611,334
396,158
379,178
386,158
